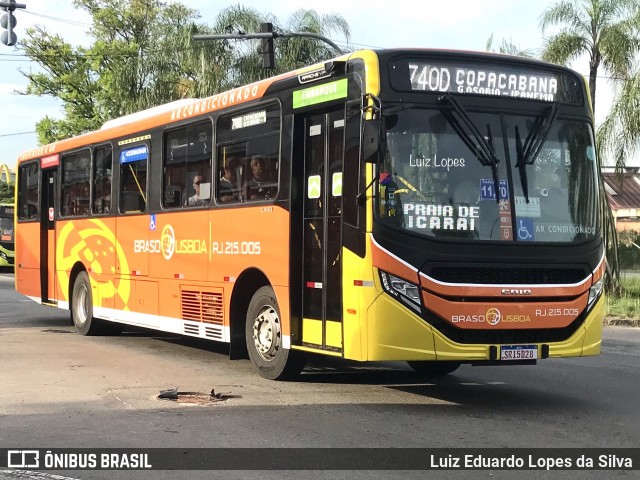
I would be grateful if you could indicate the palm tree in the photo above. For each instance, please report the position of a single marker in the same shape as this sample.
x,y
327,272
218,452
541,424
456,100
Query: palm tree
x,y
619,134
507,47
300,51
290,53
605,30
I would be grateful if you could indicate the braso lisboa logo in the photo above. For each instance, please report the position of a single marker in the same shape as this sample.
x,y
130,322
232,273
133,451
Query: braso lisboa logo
x,y
492,316
168,244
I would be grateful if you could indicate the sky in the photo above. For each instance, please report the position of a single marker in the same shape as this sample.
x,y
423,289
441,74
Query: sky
x,y
449,24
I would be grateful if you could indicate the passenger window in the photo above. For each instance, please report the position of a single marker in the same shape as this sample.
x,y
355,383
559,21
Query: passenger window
x,y
248,158
28,191
187,167
102,174
75,185
133,179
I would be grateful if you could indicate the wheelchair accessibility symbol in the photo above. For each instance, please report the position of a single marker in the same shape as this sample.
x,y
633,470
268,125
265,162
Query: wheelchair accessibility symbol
x,y
525,229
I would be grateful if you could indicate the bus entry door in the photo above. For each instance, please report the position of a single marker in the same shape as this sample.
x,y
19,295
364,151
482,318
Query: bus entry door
x,y
48,237
322,231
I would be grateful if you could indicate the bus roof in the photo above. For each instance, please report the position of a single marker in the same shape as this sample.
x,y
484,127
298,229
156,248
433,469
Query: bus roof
x,y
187,108
168,113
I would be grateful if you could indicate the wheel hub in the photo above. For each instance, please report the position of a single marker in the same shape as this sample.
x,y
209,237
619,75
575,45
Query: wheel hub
x,y
266,333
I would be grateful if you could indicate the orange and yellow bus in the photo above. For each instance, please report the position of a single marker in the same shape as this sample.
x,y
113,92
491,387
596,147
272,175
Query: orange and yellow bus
x,y
434,207
6,235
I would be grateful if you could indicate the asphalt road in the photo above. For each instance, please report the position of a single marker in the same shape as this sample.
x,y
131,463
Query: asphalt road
x,y
59,389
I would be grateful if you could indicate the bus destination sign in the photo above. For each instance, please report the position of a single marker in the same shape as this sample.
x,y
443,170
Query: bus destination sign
x,y
496,80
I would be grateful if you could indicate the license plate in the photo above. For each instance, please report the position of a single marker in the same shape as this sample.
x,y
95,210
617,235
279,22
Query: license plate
x,y
519,352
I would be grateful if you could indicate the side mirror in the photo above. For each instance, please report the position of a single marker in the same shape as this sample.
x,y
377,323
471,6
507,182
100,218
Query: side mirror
x,y
372,142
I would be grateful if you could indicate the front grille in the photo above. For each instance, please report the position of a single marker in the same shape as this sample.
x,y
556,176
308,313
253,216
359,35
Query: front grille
x,y
507,276
7,246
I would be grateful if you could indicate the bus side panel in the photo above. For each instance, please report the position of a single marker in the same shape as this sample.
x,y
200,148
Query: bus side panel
x,y
27,259
246,237
91,243
178,246
183,251
255,237
132,235
102,269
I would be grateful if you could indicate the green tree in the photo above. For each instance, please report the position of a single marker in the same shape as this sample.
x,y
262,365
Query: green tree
x,y
142,55
605,30
6,192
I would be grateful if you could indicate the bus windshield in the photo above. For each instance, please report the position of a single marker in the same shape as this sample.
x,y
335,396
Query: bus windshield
x,y
449,173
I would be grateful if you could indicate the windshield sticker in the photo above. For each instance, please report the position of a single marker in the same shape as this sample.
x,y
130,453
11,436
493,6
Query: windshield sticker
x,y
440,217
565,228
422,161
526,229
488,189
530,209
506,230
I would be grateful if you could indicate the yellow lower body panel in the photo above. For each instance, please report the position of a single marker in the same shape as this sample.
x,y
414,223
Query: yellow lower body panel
x,y
395,333
587,339
312,332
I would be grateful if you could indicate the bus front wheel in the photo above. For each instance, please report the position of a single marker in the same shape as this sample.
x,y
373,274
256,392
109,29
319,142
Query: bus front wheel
x,y
434,368
264,339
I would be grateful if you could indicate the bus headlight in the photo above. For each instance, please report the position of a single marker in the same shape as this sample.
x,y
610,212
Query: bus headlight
x,y
3,256
403,291
594,293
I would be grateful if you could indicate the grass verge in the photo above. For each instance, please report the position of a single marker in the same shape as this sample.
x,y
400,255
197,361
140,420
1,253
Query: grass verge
x,y
624,309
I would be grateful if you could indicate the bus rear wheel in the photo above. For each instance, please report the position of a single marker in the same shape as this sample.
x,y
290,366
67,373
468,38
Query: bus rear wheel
x,y
263,335
434,368
82,310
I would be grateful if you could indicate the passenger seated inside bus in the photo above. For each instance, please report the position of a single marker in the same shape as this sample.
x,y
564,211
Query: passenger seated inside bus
x,y
228,185
202,191
260,185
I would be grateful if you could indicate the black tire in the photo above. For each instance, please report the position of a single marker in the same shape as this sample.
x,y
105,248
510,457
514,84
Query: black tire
x,y
434,368
82,310
263,336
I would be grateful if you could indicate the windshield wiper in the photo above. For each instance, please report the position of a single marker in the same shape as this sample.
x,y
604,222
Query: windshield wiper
x,y
528,152
484,150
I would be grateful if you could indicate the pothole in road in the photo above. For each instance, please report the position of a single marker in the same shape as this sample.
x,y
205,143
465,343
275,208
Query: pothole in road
x,y
57,330
194,398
